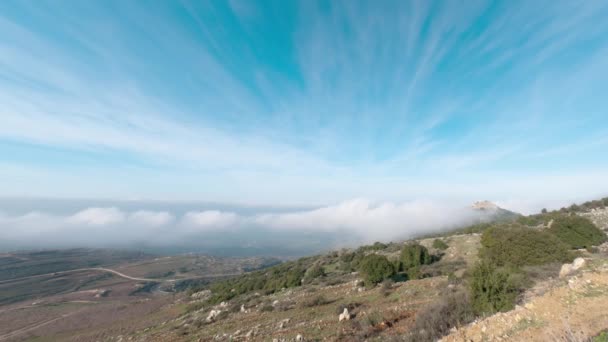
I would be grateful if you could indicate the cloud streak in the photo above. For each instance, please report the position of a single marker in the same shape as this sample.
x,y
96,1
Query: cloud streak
x,y
313,106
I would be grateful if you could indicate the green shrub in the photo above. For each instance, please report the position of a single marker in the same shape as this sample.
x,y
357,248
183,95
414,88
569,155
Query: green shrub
x,y
414,255
375,268
439,244
314,272
375,247
492,289
602,337
519,246
577,232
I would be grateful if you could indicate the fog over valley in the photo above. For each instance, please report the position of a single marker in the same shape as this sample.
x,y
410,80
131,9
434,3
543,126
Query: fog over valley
x,y
222,229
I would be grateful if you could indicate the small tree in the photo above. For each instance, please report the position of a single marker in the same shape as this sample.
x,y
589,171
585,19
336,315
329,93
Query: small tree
x,y
492,289
375,268
414,255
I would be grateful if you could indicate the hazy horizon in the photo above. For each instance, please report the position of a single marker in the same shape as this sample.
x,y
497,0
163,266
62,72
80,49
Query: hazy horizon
x,y
295,125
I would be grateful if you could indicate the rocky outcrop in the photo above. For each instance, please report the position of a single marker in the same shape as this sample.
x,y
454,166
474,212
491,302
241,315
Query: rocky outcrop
x,y
568,269
484,205
598,216
344,316
213,315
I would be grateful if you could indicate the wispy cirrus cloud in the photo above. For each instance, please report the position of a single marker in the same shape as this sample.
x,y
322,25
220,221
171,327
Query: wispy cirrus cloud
x,y
317,105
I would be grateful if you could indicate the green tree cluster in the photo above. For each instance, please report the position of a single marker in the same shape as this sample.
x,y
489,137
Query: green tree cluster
x,y
268,281
413,256
519,246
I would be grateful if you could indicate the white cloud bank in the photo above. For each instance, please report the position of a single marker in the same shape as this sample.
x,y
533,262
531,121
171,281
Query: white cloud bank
x,y
356,220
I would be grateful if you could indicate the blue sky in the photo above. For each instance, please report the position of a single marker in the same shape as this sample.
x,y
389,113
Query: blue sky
x,y
305,103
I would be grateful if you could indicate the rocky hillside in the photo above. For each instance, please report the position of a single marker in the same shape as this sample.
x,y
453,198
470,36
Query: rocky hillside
x,y
599,216
434,299
536,278
570,308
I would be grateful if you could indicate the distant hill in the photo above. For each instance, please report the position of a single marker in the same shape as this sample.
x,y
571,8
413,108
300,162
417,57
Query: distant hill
x,y
490,212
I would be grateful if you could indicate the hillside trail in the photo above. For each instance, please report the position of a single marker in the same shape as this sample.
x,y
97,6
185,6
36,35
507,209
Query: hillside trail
x,y
103,269
571,309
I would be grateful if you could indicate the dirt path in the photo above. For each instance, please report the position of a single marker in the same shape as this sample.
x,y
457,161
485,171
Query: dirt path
x,y
33,326
122,275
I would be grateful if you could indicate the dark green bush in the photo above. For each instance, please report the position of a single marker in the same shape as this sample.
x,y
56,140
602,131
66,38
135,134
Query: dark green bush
x,y
440,244
377,246
577,232
492,289
518,246
414,255
375,268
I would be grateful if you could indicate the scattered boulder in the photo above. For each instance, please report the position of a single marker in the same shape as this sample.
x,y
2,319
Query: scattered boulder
x,y
243,310
299,338
213,315
568,269
284,323
565,270
578,263
344,316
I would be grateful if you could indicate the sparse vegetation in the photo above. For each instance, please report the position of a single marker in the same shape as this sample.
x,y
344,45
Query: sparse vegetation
x,y
300,294
435,321
440,244
315,301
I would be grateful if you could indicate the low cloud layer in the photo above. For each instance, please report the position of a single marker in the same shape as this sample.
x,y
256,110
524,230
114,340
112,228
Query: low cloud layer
x,y
349,222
